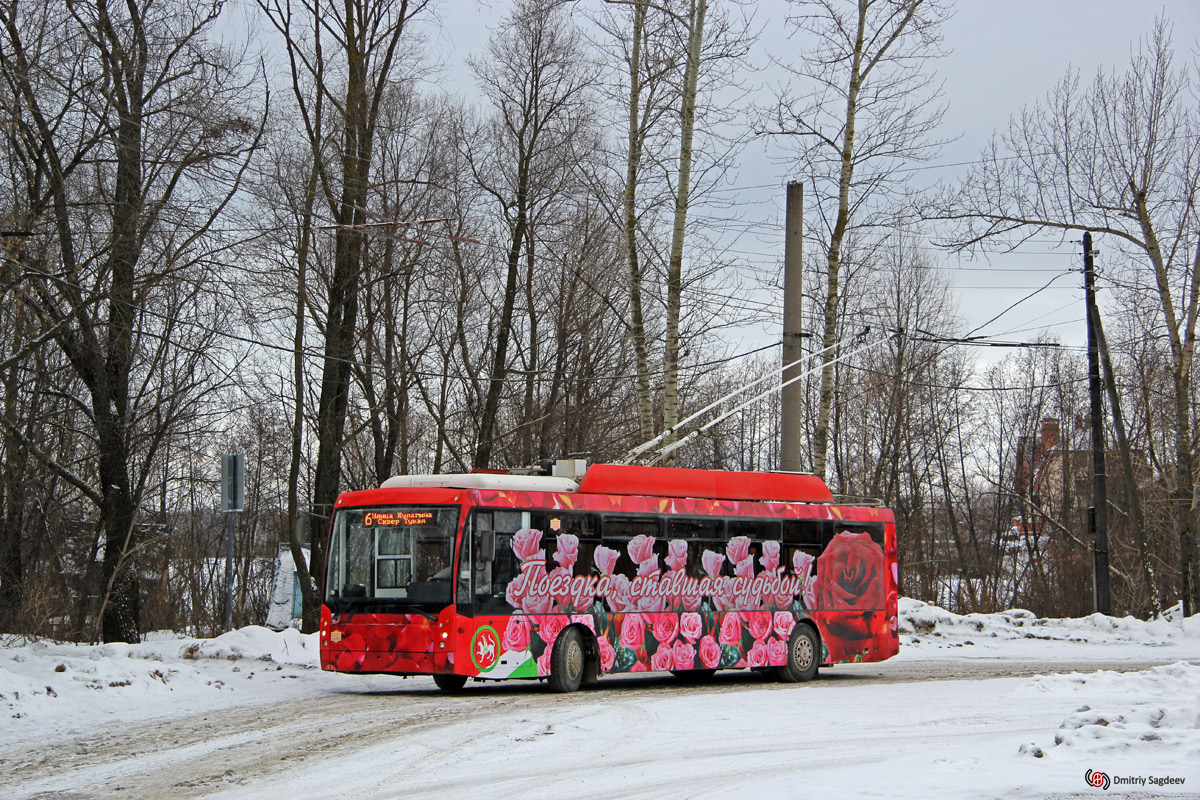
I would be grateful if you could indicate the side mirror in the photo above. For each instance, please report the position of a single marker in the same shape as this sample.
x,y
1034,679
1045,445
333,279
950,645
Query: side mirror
x,y
487,546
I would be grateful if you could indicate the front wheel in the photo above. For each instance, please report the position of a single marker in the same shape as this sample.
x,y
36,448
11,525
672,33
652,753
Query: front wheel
x,y
567,661
449,682
802,661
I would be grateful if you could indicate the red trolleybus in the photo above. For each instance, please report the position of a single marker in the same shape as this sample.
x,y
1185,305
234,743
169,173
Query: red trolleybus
x,y
628,569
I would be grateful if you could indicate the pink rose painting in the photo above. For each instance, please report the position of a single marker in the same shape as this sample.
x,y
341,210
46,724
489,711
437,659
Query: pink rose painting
x,y
641,548
712,563
516,634
663,659
685,656
606,559
526,543
665,627
633,631
566,550
710,652
737,549
691,625
608,655
676,554
770,556
731,628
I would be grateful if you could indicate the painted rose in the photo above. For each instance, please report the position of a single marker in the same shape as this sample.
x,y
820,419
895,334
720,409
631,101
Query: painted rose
x,y
712,563
690,598
639,666
608,655
563,578
619,594
513,592
802,563
850,593
665,628
691,626
648,568
542,604
566,550
526,543
633,631
810,592
549,627
685,656
770,556
757,656
586,620
759,624
543,663
710,652
783,622
516,635
777,652
676,554
737,549
731,628
744,568
606,559
663,659
641,548
651,605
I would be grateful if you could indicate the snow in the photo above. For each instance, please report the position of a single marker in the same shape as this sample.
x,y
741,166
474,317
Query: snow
x,y
932,721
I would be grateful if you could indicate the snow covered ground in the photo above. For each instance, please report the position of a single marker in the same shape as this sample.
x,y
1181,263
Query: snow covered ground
x,y
249,715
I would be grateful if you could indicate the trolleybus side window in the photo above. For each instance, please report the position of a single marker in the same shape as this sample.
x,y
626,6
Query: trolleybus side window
x,y
802,536
618,532
873,528
704,533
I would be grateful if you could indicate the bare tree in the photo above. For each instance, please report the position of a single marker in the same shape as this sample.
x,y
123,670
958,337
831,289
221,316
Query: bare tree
x,y
536,81
133,135
1119,157
867,61
342,57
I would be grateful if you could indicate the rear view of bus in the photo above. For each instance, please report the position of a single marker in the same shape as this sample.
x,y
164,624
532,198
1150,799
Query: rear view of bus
x,y
617,569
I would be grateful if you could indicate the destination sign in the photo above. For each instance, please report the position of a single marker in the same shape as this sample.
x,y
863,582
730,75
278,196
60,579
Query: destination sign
x,y
389,518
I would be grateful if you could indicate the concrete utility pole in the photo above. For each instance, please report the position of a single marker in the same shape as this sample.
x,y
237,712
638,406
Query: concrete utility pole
x,y
793,292
1098,513
233,500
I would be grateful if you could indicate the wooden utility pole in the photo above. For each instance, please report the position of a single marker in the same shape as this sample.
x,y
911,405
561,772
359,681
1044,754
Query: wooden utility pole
x,y
792,409
1098,514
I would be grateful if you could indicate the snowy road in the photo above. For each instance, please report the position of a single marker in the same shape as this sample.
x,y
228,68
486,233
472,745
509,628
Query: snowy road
x,y
326,739
1006,706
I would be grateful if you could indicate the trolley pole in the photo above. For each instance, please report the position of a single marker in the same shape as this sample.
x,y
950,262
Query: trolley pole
x,y
1098,514
792,396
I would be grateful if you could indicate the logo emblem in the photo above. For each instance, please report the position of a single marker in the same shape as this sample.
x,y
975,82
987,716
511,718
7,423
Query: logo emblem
x,y
485,648
1097,780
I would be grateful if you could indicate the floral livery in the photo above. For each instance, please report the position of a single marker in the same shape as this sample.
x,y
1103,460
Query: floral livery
x,y
664,619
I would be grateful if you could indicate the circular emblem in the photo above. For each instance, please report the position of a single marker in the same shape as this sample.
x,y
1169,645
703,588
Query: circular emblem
x,y
485,648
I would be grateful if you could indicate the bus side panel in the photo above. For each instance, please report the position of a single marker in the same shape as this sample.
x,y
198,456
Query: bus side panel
x,y
857,597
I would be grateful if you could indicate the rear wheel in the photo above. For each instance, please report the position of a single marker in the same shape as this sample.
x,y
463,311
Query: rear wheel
x,y
803,660
448,682
567,661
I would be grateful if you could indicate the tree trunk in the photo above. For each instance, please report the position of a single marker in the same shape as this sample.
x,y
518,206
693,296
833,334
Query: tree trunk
x,y
675,265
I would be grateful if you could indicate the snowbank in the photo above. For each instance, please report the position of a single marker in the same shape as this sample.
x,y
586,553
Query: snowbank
x,y
77,685
927,631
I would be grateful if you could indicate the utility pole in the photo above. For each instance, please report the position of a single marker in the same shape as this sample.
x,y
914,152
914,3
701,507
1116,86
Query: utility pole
x,y
792,410
233,500
1098,513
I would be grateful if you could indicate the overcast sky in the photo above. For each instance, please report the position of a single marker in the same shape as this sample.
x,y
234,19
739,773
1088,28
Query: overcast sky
x,y
1003,54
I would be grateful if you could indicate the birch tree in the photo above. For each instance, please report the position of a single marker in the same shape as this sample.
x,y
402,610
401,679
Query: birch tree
x,y
863,108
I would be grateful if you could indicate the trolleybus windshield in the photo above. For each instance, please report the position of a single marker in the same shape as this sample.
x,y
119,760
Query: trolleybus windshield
x,y
391,559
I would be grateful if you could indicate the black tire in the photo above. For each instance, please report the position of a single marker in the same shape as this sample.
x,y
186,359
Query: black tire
x,y
448,682
567,661
803,656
